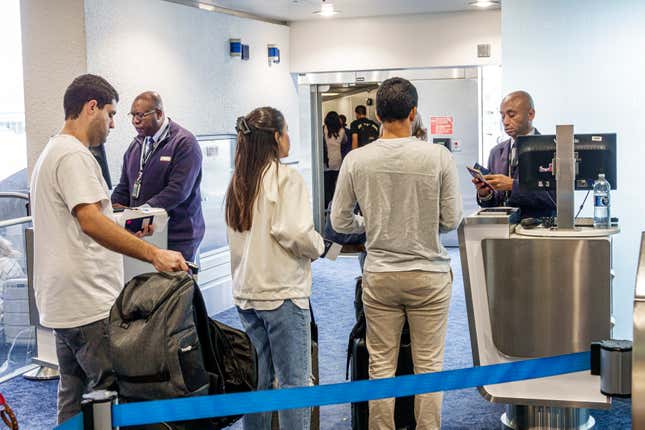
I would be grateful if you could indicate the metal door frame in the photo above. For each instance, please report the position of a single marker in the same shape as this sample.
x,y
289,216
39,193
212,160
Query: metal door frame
x,y
317,80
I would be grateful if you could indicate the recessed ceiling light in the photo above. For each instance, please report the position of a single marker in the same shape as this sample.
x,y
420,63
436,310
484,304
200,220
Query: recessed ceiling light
x,y
331,94
484,4
326,9
204,6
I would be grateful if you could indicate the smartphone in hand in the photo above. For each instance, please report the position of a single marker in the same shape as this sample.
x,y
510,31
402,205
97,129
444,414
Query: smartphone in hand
x,y
482,169
136,225
479,176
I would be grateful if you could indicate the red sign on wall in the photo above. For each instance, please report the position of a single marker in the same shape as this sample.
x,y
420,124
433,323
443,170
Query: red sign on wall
x,y
441,124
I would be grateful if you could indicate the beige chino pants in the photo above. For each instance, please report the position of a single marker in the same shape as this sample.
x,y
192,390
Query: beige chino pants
x,y
388,297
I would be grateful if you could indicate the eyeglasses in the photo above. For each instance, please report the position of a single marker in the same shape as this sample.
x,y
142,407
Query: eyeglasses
x,y
141,115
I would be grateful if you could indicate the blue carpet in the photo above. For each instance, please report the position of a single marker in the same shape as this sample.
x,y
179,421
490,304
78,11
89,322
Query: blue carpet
x,y
332,300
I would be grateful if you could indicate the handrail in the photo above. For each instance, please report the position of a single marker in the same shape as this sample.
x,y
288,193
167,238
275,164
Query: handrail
x,y
13,195
15,221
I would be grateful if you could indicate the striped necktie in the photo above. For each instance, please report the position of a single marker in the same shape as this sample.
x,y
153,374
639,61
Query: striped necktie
x,y
147,147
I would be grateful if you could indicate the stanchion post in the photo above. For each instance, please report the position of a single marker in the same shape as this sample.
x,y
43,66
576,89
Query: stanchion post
x,y
97,410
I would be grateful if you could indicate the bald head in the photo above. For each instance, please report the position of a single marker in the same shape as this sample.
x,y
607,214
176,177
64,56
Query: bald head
x,y
517,111
152,98
521,97
147,113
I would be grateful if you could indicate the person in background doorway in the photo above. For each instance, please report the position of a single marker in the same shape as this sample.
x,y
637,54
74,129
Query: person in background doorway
x,y
417,129
78,272
363,130
162,168
333,138
408,192
517,111
272,242
346,146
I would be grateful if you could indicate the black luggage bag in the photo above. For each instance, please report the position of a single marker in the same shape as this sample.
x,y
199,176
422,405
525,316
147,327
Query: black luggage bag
x,y
358,362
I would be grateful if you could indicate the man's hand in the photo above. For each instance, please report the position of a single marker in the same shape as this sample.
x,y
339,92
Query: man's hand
x,y
147,231
106,233
482,188
500,182
118,206
168,261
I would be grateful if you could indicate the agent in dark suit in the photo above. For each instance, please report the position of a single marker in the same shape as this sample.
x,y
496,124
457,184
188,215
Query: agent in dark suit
x,y
517,111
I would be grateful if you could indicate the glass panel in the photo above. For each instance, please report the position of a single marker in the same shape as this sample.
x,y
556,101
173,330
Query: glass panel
x,y
13,163
17,335
217,165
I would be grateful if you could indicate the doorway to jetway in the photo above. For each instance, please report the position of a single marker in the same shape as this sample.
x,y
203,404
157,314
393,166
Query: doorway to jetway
x,y
338,104
455,108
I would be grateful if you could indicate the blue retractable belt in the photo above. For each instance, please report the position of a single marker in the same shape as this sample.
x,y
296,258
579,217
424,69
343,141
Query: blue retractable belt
x,y
263,401
74,423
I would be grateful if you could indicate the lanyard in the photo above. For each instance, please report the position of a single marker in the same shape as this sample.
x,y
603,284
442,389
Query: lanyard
x,y
136,188
146,156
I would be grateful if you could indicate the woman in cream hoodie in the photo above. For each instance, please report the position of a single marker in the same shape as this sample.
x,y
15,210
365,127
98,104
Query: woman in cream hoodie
x,y
272,242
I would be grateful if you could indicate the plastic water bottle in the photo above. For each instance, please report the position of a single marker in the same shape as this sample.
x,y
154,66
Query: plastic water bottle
x,y
601,206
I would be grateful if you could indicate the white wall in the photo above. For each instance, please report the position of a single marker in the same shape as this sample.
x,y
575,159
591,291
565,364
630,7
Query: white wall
x,y
53,53
409,41
583,63
182,52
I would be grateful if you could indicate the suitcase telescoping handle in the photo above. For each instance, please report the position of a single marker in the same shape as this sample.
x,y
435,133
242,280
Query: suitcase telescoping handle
x,y
194,269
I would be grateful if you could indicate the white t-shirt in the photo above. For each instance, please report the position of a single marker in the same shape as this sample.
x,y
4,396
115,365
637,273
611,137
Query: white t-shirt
x,y
76,280
333,148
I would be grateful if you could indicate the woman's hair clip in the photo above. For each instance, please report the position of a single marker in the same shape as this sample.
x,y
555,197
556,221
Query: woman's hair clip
x,y
242,126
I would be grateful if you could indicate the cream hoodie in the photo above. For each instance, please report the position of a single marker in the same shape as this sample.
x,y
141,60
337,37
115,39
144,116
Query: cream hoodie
x,y
272,260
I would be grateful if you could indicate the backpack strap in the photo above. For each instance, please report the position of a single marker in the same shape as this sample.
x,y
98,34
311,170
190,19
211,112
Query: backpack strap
x,y
200,314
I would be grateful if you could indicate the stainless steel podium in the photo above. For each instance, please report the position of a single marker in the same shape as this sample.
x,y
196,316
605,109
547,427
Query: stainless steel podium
x,y
534,293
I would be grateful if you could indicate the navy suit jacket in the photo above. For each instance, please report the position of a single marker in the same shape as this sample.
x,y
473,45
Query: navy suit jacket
x,y
531,203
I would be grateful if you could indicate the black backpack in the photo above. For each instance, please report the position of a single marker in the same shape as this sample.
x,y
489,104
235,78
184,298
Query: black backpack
x,y
164,345
368,131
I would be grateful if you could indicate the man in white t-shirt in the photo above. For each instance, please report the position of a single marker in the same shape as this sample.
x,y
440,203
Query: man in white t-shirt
x,y
408,192
78,272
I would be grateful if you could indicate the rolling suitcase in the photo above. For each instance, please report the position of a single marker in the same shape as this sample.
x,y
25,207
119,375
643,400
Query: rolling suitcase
x,y
315,412
358,362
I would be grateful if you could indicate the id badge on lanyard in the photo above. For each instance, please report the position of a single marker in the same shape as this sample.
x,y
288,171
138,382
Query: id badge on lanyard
x,y
136,188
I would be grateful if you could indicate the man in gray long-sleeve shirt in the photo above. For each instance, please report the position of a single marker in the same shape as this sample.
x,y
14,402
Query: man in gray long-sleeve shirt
x,y
408,192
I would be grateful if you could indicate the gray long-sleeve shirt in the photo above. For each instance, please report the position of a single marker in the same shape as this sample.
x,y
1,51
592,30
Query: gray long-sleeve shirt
x,y
408,192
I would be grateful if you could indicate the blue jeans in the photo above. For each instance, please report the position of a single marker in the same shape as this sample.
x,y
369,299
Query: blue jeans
x,y
282,339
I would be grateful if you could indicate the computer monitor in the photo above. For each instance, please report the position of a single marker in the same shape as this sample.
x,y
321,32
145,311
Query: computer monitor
x,y
593,154
99,154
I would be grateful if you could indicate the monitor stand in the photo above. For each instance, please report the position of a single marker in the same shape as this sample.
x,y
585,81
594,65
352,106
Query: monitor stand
x,y
565,175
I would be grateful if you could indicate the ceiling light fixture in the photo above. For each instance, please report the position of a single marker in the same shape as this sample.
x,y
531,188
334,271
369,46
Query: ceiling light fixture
x,y
204,6
326,9
484,4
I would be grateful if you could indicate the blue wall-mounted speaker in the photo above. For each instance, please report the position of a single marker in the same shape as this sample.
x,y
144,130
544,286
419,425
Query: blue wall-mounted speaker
x,y
274,54
235,49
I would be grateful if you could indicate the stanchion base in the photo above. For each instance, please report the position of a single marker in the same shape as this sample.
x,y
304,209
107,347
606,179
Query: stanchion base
x,y
41,373
518,417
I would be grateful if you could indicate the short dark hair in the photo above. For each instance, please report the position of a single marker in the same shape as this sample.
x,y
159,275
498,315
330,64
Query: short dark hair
x,y
85,88
395,99
361,110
